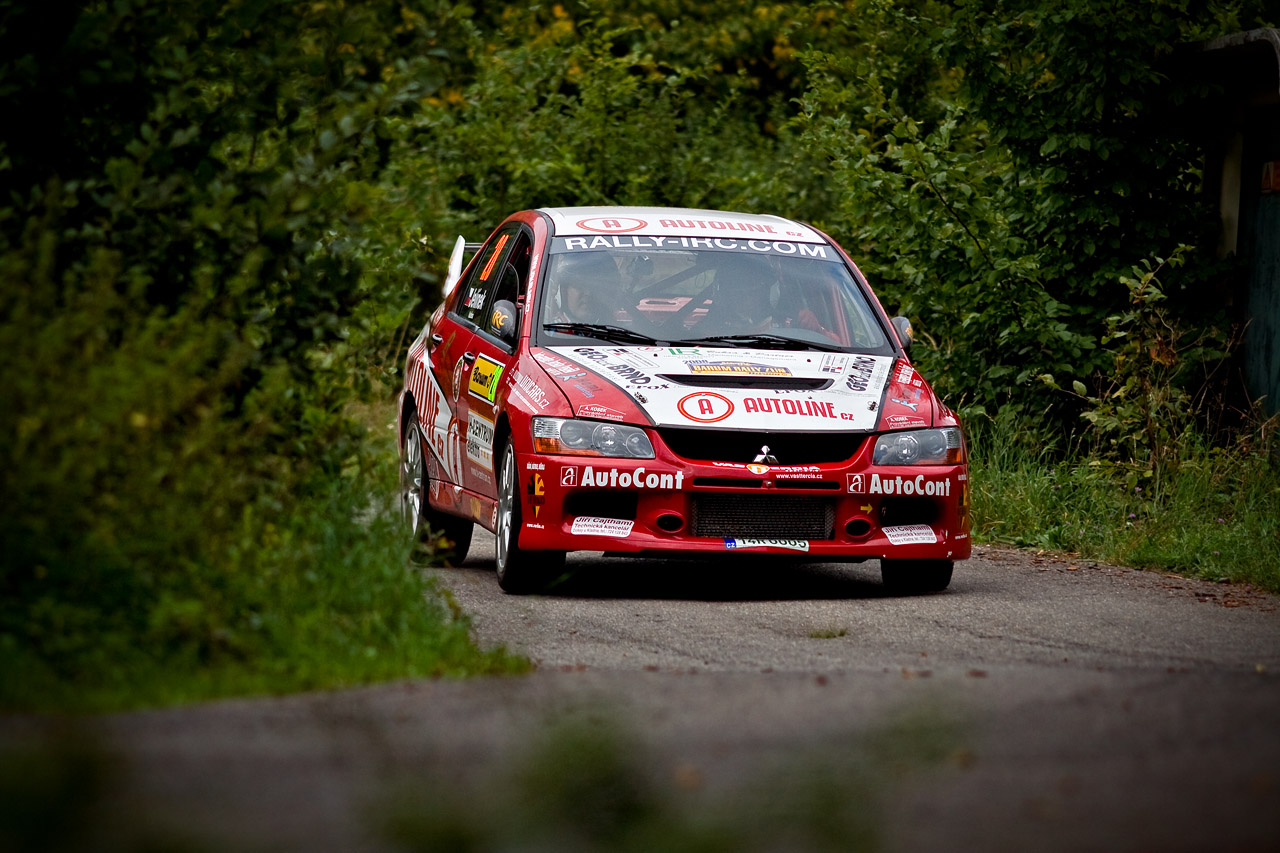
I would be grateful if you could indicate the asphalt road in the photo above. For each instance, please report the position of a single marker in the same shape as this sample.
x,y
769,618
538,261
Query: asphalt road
x,y
1054,705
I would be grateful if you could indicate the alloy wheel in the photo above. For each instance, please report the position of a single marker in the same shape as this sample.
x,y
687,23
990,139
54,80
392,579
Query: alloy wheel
x,y
412,474
506,506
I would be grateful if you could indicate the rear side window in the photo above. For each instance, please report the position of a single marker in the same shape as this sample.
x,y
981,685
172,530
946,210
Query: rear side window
x,y
473,295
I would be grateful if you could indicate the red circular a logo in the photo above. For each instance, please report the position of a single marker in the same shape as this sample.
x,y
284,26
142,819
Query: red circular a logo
x,y
611,224
705,407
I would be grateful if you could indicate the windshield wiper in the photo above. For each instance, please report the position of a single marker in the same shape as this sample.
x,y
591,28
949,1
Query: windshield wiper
x,y
764,341
604,332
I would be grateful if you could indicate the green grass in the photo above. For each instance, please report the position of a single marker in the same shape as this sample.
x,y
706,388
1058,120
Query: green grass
x,y
322,597
1215,515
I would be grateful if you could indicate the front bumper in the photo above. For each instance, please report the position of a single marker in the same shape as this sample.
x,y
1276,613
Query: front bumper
x,y
842,511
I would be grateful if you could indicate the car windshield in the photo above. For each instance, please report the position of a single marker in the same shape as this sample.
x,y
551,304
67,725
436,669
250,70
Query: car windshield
x,y
684,291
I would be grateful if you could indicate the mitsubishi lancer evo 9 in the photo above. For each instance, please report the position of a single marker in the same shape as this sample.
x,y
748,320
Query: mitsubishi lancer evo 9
x,y
662,382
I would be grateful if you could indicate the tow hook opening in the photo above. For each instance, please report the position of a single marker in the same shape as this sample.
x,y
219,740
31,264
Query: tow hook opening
x,y
858,528
669,522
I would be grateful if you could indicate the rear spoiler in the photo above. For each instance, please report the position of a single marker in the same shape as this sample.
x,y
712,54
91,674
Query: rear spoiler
x,y
460,248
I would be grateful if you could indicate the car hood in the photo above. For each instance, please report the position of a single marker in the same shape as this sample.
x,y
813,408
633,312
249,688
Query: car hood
x,y
736,389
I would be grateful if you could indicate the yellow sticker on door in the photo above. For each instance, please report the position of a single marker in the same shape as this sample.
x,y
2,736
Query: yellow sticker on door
x,y
484,378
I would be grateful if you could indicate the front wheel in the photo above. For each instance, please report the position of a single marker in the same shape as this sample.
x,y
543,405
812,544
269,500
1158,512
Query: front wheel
x,y
913,577
519,571
432,532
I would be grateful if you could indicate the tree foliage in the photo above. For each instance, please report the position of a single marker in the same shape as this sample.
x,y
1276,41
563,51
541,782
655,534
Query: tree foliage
x,y
175,280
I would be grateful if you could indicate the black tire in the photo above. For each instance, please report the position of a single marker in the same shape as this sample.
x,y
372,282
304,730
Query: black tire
x,y
914,577
434,534
519,571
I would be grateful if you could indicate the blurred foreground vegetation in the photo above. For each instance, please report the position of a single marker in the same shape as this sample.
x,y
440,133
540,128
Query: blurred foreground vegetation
x,y
221,221
585,782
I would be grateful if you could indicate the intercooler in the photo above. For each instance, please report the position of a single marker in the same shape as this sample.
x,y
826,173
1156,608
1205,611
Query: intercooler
x,y
763,517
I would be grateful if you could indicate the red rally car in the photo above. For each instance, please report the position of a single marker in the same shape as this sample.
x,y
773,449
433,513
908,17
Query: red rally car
x,y
659,381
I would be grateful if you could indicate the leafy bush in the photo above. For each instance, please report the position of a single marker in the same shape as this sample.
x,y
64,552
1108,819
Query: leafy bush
x,y
177,276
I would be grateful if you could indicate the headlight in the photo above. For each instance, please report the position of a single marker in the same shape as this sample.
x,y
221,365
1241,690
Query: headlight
x,y
589,438
918,447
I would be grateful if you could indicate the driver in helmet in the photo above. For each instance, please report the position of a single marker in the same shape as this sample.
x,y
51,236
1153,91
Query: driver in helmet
x,y
749,292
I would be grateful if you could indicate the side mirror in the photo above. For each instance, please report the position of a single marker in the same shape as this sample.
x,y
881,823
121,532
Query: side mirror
x,y
503,320
902,326
455,266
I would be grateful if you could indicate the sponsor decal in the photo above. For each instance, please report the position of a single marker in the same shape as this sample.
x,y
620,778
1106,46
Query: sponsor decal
x,y
859,376
557,366
758,469
903,374
441,429
834,409
480,441
493,259
584,390
789,544
475,299
581,373
834,363
533,526
877,484
905,421
537,493
736,368
911,534
611,225
915,407
717,225
499,318
482,476
590,525
705,407
604,413
612,478
622,240
484,378
787,406
797,476
625,374
535,466
531,389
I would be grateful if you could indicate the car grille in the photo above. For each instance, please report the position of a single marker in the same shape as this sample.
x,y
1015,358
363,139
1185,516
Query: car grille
x,y
763,517
790,448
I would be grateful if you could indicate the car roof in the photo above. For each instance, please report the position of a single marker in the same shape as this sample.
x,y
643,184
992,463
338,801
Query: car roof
x,y
676,222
